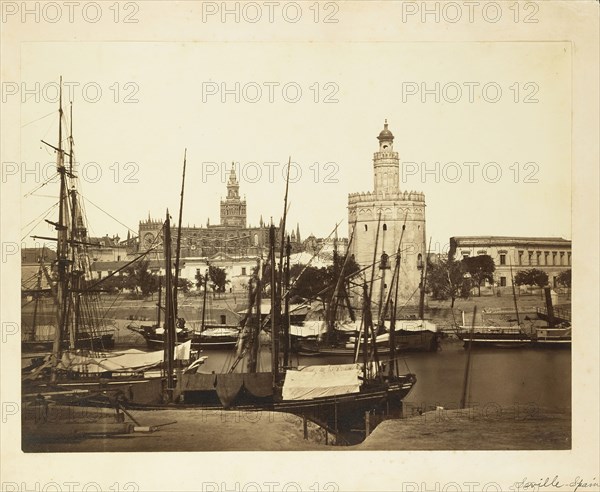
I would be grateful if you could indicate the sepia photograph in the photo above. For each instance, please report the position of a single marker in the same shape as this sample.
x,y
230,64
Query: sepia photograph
x,y
300,246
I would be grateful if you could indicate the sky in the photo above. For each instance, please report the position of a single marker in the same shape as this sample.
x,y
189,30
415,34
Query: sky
x,y
483,129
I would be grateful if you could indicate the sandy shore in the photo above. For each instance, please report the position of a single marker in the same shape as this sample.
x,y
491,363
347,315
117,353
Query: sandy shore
x,y
193,430
475,429
203,430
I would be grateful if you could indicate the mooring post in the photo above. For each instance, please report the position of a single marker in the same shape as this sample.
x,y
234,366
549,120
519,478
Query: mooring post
x,y
367,423
305,426
335,418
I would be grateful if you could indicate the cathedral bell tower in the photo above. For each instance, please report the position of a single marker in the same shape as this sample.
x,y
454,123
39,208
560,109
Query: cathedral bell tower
x,y
233,209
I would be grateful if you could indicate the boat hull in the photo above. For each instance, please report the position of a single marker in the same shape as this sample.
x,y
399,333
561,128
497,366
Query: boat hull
x,y
96,343
405,341
199,341
337,414
512,340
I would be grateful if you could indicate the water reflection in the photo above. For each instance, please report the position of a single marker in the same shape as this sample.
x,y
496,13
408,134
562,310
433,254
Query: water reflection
x,y
503,377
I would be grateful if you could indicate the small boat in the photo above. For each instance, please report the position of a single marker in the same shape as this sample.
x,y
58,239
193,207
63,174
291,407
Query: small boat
x,y
550,336
341,338
211,337
410,336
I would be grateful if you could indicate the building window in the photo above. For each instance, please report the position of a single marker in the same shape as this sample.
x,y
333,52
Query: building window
x,y
503,259
569,259
502,281
419,261
520,257
530,258
110,272
562,258
465,255
538,258
366,227
243,270
555,281
223,319
385,227
554,257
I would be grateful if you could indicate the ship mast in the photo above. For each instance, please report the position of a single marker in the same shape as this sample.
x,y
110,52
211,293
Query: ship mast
x,y
394,303
286,315
61,246
74,281
255,339
178,247
274,318
169,311
423,283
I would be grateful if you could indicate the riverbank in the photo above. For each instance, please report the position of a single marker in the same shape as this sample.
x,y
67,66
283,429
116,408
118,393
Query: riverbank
x,y
486,428
179,430
197,430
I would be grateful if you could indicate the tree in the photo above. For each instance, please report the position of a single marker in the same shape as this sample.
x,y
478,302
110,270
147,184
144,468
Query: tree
x,y
200,279
218,278
113,284
446,279
310,283
531,277
140,277
184,285
564,278
480,268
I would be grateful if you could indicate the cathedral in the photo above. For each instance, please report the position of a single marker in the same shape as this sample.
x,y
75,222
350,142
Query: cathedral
x,y
378,219
231,237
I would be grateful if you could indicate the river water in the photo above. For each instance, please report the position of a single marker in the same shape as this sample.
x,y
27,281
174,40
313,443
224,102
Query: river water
x,y
519,378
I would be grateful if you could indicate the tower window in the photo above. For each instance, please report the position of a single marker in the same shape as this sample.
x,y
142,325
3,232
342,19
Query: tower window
x,y
385,227
366,227
385,146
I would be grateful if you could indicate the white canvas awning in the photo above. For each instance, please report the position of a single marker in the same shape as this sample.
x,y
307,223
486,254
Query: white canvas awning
x,y
308,329
127,360
320,381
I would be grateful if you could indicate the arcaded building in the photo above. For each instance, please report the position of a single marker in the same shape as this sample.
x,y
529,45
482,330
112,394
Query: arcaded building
x,y
379,217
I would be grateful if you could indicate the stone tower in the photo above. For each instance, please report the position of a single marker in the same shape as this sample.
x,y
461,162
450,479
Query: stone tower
x,y
394,210
233,208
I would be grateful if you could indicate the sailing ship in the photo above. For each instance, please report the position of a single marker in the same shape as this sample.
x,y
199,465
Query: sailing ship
x,y
81,359
66,312
336,397
343,338
556,333
209,336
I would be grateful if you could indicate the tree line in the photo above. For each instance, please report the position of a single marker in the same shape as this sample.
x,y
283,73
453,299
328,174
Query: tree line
x,y
452,279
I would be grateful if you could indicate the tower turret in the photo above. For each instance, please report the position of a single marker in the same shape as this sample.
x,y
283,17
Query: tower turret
x,y
386,164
